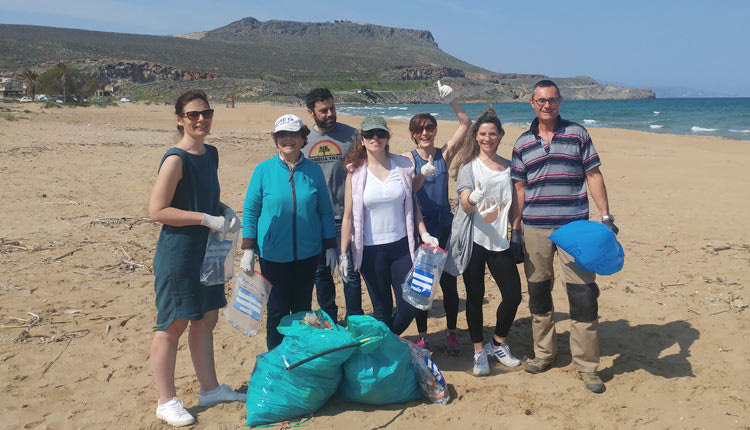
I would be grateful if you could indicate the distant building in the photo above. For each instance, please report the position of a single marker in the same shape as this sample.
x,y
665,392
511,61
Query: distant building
x,y
107,91
11,87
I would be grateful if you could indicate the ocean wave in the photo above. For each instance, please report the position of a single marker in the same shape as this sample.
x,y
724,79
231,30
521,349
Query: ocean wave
x,y
701,129
739,131
656,112
590,121
397,108
655,126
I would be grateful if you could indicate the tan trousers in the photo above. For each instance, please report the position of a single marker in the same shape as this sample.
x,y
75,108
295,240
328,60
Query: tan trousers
x,y
538,265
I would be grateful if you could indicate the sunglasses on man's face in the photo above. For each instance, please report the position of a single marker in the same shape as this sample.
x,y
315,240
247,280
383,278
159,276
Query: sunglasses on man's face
x,y
380,133
193,115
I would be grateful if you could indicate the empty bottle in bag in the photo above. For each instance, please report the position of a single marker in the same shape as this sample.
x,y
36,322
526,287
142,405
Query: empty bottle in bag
x,y
421,283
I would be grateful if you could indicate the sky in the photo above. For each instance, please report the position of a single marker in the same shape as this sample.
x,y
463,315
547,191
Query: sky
x,y
695,45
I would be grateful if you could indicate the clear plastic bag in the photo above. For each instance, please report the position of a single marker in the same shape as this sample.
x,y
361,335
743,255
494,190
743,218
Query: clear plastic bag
x,y
218,261
430,378
420,286
248,302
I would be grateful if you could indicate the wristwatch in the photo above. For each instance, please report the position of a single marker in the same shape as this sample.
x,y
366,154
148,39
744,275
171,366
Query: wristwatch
x,y
608,217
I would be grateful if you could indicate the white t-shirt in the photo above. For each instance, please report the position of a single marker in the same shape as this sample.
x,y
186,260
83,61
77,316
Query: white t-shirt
x,y
383,209
491,214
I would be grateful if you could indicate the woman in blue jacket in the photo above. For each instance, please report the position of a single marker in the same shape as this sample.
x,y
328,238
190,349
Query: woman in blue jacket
x,y
287,221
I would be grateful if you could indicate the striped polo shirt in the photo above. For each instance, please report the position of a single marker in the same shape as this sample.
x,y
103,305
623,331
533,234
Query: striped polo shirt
x,y
555,174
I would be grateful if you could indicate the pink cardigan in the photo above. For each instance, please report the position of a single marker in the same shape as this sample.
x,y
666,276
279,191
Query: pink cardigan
x,y
405,169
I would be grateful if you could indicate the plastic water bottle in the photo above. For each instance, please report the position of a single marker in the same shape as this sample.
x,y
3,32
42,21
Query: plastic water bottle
x,y
421,283
248,302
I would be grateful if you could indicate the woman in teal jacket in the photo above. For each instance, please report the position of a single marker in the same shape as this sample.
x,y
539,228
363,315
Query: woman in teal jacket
x,y
287,220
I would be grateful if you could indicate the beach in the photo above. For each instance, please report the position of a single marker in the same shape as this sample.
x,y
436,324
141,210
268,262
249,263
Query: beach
x,y
78,314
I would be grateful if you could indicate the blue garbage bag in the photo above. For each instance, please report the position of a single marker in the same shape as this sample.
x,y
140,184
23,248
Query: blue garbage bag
x,y
380,370
276,394
593,245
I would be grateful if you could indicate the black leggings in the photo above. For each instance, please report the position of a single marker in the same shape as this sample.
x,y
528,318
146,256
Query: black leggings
x,y
504,271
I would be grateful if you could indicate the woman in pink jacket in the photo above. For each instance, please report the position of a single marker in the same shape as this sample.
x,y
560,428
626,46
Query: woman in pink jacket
x,y
379,222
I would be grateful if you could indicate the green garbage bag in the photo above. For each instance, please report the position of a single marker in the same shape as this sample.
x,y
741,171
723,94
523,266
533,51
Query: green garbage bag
x,y
380,370
276,394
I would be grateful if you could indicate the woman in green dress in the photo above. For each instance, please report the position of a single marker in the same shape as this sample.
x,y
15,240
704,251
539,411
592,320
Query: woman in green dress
x,y
185,199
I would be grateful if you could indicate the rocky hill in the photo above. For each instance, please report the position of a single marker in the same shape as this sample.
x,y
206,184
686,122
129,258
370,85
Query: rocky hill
x,y
279,61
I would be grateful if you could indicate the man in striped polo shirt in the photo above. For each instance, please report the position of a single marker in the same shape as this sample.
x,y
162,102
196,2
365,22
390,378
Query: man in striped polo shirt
x,y
554,163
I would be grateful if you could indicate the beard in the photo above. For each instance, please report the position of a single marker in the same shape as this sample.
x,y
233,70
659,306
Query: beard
x,y
325,123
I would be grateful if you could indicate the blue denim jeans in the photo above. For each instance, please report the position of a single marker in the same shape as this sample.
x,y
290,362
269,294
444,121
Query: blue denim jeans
x,y
326,290
384,269
291,292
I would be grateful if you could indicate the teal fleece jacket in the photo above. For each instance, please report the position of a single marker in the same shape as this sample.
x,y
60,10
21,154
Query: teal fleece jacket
x,y
287,215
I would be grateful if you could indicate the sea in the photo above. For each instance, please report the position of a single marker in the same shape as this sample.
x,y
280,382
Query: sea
x,y
726,117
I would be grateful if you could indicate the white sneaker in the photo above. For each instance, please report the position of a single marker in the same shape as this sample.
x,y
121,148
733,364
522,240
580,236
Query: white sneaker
x,y
481,366
174,413
219,395
502,353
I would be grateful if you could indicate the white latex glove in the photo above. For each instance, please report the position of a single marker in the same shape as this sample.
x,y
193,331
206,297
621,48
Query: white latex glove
x,y
477,195
343,265
247,264
234,223
446,92
331,259
430,240
428,169
218,223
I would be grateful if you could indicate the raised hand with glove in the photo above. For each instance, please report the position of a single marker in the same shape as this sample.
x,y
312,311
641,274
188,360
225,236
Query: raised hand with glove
x,y
428,169
446,92
477,195
247,263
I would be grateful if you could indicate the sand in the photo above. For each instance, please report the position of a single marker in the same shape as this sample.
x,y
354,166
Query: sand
x,y
77,315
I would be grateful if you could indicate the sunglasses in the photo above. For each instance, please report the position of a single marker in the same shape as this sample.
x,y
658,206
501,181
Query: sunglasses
x,y
194,114
380,133
428,127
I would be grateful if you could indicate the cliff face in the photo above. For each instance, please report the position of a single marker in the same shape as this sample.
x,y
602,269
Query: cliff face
x,y
116,73
250,29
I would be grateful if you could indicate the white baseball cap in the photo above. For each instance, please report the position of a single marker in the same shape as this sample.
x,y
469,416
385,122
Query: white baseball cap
x,y
288,122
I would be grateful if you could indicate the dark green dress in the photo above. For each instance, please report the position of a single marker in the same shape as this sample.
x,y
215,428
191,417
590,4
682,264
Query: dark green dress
x,y
179,252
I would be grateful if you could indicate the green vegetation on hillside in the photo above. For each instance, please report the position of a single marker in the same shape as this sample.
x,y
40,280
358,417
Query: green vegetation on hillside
x,y
276,61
